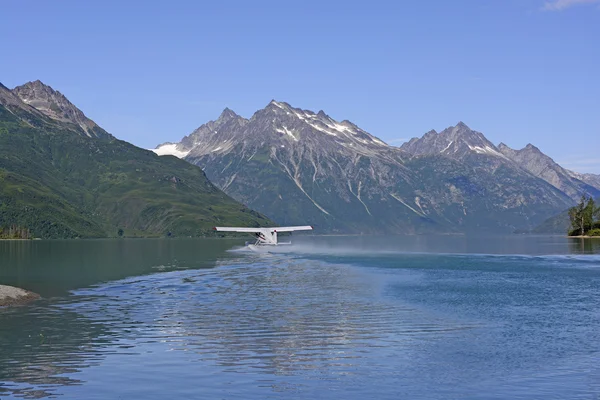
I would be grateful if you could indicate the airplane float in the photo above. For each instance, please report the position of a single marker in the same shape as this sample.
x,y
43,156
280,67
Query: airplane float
x,y
265,237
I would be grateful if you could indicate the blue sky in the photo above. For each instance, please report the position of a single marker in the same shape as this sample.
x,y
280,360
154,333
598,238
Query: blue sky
x,y
519,71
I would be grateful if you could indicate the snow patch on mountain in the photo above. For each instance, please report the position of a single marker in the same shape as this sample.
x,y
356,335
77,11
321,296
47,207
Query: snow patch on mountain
x,y
321,122
170,149
447,147
286,131
486,150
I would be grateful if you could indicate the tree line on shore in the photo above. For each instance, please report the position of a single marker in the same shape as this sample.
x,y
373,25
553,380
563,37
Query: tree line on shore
x,y
585,218
15,232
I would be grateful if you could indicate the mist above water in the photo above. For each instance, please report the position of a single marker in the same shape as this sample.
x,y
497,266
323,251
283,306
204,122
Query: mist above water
x,y
431,244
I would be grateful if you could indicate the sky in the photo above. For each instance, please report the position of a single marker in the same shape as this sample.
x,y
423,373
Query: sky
x,y
520,71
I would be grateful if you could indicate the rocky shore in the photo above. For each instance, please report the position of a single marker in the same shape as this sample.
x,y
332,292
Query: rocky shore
x,y
12,296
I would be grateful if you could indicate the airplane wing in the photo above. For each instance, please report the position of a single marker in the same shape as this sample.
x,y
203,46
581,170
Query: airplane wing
x,y
233,229
258,230
292,228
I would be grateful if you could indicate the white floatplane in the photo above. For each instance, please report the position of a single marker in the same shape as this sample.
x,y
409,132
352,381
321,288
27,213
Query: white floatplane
x,y
265,237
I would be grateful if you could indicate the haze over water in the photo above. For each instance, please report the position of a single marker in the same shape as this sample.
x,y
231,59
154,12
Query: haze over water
x,y
332,317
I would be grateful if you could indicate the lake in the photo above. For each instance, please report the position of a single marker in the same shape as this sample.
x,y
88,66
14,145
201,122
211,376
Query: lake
x,y
331,317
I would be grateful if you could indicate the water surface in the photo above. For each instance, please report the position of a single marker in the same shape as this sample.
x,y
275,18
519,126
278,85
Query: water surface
x,y
335,317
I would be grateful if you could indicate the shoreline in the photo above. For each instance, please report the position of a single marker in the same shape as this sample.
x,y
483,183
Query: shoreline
x,y
219,237
13,296
584,237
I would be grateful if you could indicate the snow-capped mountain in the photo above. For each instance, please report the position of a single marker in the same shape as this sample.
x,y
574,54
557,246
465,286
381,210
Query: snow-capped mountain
x,y
455,142
278,122
297,166
304,163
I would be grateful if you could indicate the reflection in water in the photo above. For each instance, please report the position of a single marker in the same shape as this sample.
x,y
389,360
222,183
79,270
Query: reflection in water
x,y
281,317
584,245
276,316
43,344
52,268
46,342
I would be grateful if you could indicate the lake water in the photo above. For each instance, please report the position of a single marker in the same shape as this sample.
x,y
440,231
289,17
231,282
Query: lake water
x,y
332,317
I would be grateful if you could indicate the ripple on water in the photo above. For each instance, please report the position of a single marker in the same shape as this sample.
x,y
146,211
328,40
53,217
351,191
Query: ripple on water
x,y
276,317
260,326
267,318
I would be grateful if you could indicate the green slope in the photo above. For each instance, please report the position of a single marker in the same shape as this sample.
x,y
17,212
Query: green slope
x,y
59,184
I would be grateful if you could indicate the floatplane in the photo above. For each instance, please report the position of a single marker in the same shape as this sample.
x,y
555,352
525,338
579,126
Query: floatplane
x,y
265,237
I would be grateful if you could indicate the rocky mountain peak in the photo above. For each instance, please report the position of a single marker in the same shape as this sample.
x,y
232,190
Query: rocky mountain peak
x,y
228,114
37,86
532,147
456,142
506,150
56,106
8,98
42,97
533,160
528,152
589,179
462,131
274,109
277,126
429,135
277,106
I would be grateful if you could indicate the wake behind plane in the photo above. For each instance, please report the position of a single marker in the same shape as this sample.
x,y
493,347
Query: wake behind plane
x,y
265,237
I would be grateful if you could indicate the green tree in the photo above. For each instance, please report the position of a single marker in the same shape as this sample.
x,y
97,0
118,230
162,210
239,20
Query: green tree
x,y
582,215
588,214
576,216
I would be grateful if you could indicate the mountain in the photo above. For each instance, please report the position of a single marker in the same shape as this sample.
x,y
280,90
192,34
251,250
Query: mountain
x,y
297,166
63,176
55,105
590,179
503,179
572,183
539,164
304,167
456,142
17,107
557,224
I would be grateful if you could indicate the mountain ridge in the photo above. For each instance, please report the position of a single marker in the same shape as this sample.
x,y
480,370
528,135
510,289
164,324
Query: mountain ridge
x,y
532,159
348,180
456,142
56,106
59,181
